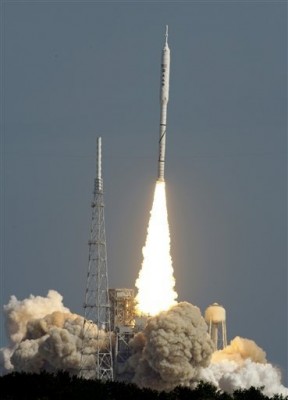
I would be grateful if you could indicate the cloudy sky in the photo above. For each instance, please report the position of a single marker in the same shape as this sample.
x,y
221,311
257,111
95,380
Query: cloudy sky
x,y
72,71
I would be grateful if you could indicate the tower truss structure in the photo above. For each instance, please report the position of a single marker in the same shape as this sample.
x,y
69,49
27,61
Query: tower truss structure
x,y
96,353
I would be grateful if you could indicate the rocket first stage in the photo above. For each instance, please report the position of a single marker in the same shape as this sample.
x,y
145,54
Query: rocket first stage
x,y
164,97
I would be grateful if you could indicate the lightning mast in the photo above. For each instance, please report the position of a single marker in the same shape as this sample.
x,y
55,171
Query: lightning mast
x,y
96,354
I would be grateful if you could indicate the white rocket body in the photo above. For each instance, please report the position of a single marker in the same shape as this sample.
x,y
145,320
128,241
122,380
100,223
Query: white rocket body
x,y
164,97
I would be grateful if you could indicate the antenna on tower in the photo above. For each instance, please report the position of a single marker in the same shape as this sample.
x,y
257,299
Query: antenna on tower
x,y
98,180
96,352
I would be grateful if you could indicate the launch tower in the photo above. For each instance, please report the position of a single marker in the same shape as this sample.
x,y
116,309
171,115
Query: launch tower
x,y
97,330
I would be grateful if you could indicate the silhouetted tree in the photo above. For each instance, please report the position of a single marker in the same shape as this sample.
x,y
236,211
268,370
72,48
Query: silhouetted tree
x,y
252,394
62,386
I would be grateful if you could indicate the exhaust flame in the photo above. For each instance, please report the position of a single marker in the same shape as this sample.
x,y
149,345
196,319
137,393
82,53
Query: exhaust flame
x,y
156,281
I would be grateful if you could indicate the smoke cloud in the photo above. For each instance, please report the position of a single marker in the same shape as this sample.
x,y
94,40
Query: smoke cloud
x,y
46,335
239,350
19,313
172,349
172,346
240,365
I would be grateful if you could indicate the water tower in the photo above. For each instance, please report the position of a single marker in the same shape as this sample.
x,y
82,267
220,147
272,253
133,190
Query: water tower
x,y
215,316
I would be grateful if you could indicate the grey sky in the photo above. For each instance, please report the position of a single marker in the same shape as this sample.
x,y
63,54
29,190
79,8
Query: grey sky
x,y
73,71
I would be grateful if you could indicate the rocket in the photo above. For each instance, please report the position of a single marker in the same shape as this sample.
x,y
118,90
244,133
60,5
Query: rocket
x,y
164,97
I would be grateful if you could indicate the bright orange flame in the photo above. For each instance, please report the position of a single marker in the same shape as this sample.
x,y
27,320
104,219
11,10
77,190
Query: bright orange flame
x,y
156,282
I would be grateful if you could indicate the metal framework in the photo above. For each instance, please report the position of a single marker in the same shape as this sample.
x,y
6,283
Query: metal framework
x,y
122,307
96,354
122,323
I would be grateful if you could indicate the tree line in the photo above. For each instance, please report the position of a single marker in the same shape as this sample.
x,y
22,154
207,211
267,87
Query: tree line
x,y
61,385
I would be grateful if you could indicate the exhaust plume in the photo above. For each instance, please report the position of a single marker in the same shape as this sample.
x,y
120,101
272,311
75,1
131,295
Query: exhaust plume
x,y
156,281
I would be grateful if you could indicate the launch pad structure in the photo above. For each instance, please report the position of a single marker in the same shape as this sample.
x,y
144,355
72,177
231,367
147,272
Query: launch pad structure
x,y
122,323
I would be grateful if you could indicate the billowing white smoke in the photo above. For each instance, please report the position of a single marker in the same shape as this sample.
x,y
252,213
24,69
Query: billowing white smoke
x,y
241,365
170,350
173,349
46,335
19,313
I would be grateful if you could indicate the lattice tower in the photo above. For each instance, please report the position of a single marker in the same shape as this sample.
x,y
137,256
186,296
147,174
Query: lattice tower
x,y
96,354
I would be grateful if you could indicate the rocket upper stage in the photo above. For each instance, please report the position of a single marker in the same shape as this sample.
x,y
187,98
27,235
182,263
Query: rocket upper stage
x,y
165,71
164,97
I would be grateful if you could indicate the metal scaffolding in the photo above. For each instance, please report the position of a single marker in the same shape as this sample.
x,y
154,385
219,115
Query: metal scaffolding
x,y
122,323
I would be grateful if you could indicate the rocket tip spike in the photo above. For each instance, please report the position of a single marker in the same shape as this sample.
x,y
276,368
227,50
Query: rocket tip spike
x,y
166,35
